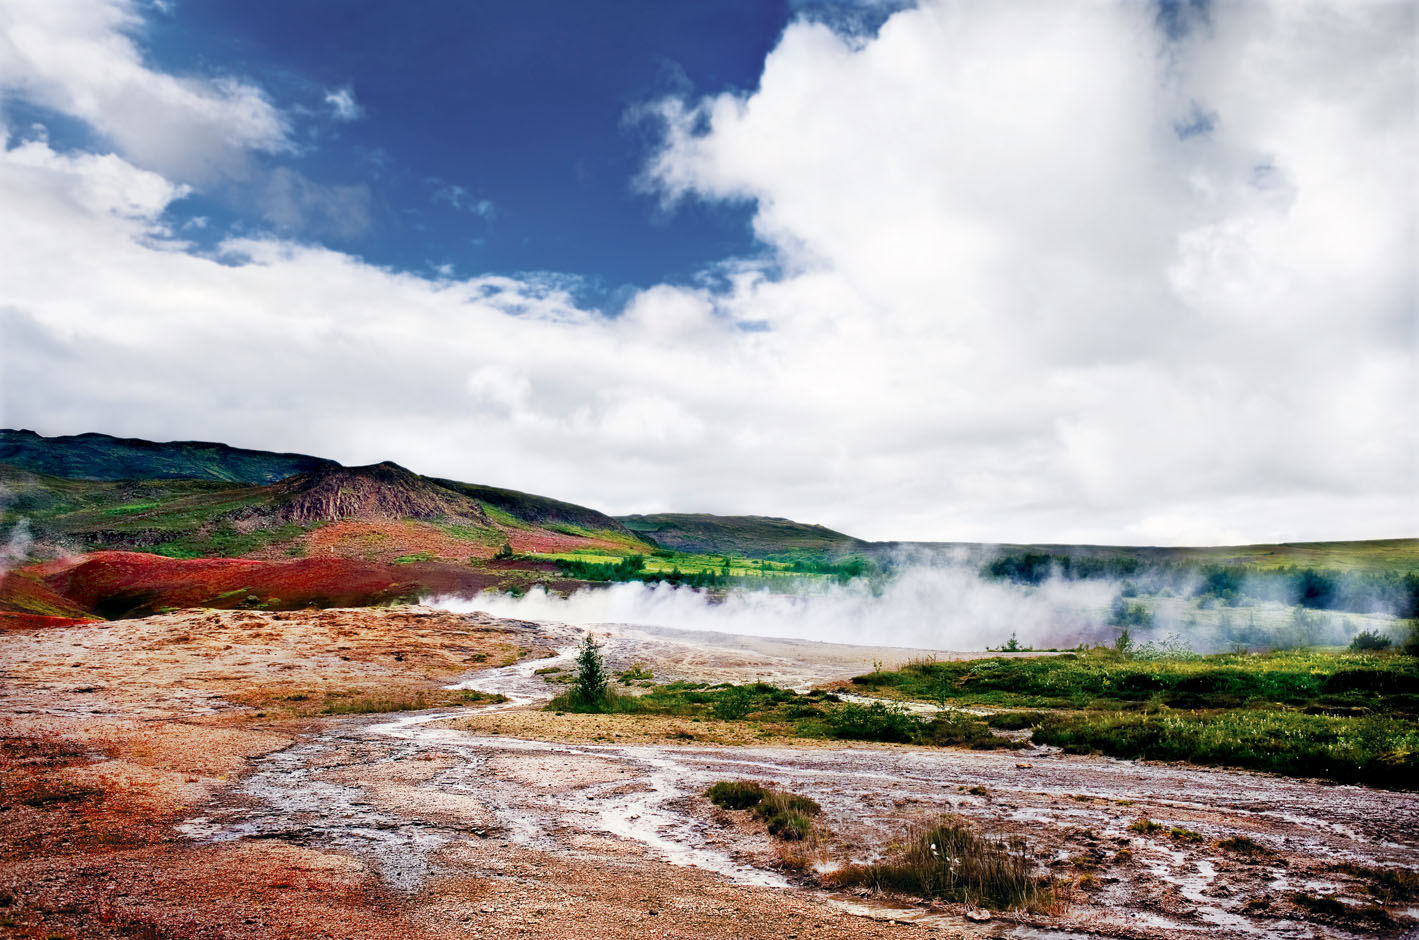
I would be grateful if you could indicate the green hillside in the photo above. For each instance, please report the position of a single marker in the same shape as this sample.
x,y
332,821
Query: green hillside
x,y
102,457
538,510
751,536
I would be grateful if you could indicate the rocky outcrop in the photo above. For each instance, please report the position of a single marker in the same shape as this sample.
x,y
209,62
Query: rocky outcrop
x,y
381,492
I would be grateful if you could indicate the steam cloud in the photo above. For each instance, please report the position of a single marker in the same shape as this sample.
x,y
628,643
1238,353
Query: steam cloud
x,y
926,606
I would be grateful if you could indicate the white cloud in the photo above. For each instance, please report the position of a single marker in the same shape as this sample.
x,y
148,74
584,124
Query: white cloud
x,y
78,57
1016,303
459,197
293,203
343,106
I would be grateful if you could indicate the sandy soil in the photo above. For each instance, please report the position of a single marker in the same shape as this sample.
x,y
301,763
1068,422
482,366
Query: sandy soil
x,y
176,777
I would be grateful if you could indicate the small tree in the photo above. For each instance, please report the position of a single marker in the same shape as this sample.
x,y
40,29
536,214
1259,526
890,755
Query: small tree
x,y
591,676
1371,641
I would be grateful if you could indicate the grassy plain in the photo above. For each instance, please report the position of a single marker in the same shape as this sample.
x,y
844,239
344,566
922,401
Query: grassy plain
x,y
1337,714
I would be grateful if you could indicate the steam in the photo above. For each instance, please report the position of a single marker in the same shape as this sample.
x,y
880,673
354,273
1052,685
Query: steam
x,y
19,540
17,546
943,606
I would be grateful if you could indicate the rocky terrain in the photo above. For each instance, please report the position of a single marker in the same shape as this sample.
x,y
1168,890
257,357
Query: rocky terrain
x,y
389,772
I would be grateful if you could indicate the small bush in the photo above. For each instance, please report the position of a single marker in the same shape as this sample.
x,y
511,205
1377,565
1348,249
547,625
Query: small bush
x,y
1145,825
1370,641
949,861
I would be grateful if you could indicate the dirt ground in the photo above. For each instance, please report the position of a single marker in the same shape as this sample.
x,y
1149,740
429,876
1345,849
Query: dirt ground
x,y
114,735
239,774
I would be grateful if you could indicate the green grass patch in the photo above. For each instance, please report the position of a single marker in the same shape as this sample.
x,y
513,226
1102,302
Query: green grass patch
x,y
224,541
816,714
1103,678
788,816
1376,750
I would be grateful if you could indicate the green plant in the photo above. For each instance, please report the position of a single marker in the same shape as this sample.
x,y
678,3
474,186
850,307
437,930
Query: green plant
x,y
733,704
947,859
589,686
735,794
787,815
1370,640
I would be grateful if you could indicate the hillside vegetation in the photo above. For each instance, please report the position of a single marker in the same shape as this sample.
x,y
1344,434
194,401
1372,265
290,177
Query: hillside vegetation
x,y
102,457
751,536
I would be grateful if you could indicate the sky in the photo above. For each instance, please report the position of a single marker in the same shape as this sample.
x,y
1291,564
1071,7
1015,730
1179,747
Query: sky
x,y
1065,271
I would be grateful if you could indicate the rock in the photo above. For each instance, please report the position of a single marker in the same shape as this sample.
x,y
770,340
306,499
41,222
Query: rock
x,y
1024,766
978,915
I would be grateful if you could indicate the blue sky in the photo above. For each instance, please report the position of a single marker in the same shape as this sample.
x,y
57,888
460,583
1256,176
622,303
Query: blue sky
x,y
995,270
488,137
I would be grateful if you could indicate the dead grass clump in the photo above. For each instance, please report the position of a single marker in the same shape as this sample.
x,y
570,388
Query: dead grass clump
x,y
1244,845
1386,885
948,860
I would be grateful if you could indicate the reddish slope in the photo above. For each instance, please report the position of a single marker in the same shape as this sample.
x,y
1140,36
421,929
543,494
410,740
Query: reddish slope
x,y
26,601
129,584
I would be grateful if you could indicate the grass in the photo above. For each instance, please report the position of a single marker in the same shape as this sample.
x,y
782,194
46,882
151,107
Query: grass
x,y
305,702
1375,750
816,714
1244,845
950,861
1102,678
1344,715
788,816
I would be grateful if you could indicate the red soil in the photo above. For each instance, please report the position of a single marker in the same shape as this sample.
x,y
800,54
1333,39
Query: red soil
x,y
11,621
548,542
134,584
119,584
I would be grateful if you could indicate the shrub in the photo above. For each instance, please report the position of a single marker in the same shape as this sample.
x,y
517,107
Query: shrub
x,y
949,861
1369,640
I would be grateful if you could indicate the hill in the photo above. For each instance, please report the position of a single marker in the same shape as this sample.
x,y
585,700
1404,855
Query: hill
x,y
752,536
102,457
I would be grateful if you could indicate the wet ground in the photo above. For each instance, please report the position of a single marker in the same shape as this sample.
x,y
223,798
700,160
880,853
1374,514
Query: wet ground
x,y
420,800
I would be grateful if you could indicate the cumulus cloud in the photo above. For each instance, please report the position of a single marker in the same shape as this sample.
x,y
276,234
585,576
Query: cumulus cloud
x,y
78,57
1020,291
